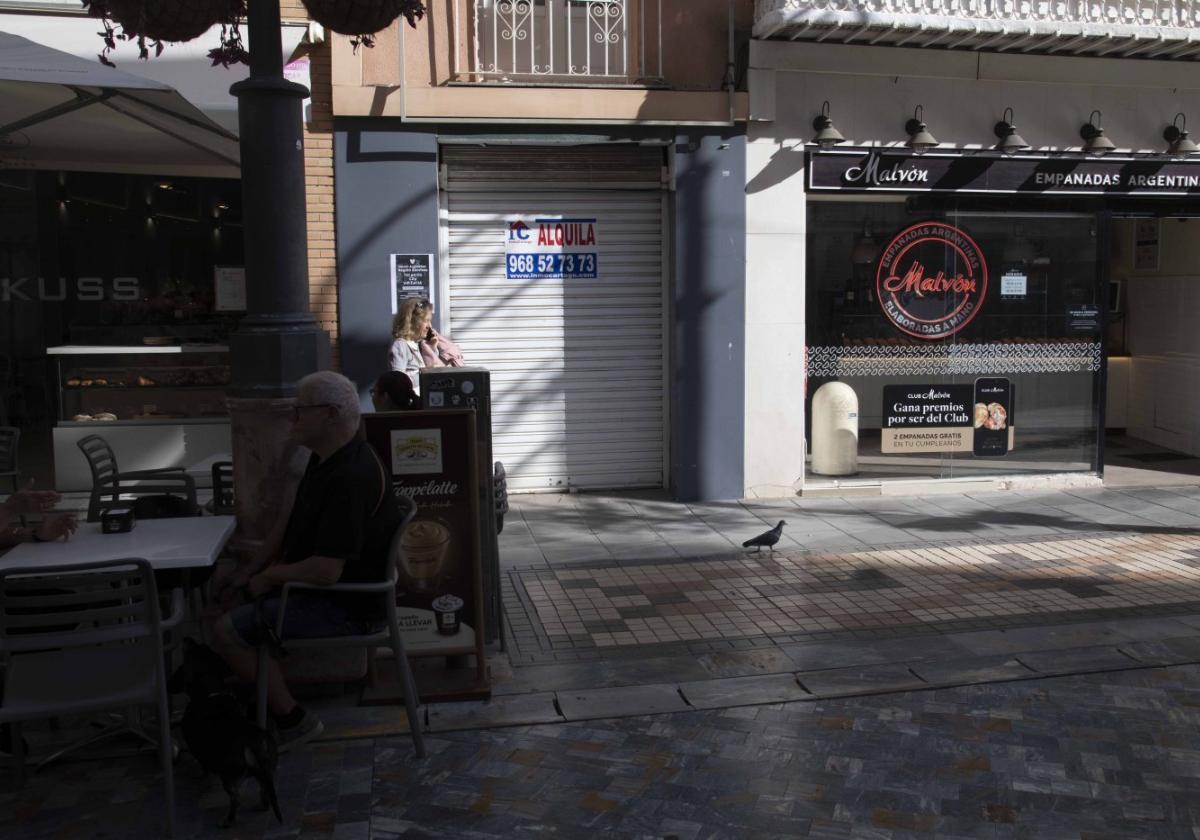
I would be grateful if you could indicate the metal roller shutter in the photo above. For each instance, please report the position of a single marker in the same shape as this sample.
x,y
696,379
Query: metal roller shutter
x,y
578,365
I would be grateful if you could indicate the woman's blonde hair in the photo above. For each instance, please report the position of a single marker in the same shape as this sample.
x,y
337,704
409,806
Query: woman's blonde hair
x,y
408,321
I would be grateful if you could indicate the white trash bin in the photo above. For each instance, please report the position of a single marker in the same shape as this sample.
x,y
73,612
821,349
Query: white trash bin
x,y
835,430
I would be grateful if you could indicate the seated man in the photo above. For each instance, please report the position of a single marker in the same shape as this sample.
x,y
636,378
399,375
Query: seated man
x,y
27,500
338,530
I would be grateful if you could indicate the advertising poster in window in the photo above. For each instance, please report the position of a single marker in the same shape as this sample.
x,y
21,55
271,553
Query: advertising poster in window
x,y
550,248
229,288
948,418
432,459
1145,245
927,418
992,416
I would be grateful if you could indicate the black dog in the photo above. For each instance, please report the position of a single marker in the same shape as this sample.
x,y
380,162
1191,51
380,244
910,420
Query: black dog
x,y
218,732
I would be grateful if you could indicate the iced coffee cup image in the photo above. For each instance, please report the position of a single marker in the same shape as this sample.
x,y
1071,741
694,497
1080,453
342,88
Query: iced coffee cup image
x,y
424,546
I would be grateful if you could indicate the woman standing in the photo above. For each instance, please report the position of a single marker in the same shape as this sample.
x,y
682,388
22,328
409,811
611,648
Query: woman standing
x,y
409,327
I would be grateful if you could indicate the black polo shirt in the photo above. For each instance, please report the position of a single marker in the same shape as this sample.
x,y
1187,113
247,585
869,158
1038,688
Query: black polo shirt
x,y
345,508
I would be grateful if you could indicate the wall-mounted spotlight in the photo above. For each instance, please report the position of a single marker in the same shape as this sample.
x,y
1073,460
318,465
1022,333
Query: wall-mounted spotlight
x,y
827,136
1010,141
919,138
1178,142
1094,141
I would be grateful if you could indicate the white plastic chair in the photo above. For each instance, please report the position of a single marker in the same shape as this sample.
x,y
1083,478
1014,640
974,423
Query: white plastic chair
x,y
389,634
85,638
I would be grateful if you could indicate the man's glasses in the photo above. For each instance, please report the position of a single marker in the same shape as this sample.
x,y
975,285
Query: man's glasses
x,y
296,408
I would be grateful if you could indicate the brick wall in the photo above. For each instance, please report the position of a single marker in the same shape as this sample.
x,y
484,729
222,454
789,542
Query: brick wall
x,y
318,180
292,9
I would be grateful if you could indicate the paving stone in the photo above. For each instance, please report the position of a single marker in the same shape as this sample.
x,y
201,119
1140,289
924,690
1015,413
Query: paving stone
x,y
1172,651
868,679
505,710
741,663
821,655
1077,660
620,702
1059,637
364,722
739,691
970,670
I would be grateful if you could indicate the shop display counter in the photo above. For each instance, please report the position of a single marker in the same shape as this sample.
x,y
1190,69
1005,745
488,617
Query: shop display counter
x,y
157,405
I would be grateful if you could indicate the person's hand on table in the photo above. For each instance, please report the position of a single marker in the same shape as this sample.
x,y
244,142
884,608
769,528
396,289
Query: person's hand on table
x,y
27,500
56,527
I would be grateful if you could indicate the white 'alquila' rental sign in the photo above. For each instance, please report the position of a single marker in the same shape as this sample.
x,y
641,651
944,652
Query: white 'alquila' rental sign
x,y
550,248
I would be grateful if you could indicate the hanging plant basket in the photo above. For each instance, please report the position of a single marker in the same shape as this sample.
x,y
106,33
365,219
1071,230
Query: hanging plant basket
x,y
168,20
363,17
152,23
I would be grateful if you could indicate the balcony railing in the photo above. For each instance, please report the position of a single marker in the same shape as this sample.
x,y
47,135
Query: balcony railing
x,y
1142,28
570,42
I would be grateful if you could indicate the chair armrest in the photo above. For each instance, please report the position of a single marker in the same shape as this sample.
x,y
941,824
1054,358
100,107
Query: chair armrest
x,y
176,616
380,588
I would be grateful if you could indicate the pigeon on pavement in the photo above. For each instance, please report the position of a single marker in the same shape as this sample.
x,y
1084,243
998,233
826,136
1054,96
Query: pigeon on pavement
x,y
767,538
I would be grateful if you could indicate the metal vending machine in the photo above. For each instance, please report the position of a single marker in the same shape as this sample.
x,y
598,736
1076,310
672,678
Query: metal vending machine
x,y
470,387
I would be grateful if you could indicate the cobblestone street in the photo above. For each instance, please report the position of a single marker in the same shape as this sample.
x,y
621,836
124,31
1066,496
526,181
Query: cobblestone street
x,y
1103,756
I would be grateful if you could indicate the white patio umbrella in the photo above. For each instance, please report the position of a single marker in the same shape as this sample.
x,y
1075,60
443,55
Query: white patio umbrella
x,y
58,111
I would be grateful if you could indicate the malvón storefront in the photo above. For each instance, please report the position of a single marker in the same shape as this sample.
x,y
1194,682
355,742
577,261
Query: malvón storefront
x,y
996,317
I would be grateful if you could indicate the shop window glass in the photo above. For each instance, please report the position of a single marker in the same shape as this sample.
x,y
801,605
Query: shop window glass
x,y
972,339
109,260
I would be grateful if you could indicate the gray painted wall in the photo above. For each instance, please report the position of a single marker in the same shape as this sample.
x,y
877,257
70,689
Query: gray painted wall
x,y
387,202
708,362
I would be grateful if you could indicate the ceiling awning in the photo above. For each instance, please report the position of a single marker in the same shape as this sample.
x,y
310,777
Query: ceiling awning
x,y
1067,30
62,112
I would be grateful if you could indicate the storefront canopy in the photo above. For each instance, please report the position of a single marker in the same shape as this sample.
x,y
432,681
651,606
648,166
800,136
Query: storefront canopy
x,y
58,111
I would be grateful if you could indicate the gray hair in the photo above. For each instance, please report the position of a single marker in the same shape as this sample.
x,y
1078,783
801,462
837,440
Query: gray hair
x,y
327,386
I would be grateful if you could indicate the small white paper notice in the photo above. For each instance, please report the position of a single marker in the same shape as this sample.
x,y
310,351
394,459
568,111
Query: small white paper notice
x,y
1012,284
229,288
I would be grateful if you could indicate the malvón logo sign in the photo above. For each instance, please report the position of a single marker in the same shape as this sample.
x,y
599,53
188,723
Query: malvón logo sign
x,y
932,280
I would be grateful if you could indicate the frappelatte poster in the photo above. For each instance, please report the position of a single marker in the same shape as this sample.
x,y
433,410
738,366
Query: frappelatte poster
x,y
432,460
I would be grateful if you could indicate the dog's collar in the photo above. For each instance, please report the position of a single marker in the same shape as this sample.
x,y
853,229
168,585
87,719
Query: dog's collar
x,y
225,693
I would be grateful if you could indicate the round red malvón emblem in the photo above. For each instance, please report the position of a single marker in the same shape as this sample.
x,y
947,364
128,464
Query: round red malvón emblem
x,y
931,280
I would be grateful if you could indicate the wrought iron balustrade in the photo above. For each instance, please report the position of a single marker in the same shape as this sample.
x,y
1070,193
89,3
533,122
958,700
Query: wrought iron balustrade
x,y
573,42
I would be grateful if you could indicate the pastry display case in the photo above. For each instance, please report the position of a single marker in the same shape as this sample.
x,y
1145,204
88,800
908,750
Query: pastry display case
x,y
157,405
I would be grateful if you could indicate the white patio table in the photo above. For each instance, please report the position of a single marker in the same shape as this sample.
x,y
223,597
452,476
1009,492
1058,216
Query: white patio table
x,y
182,550
181,543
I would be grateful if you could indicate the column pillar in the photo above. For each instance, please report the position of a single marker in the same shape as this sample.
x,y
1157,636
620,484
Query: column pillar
x,y
279,341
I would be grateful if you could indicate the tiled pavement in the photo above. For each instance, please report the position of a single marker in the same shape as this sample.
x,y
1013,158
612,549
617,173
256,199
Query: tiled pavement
x,y
634,589
762,671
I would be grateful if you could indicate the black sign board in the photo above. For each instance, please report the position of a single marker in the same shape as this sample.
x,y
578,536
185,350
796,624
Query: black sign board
x,y
886,170
412,276
432,459
927,418
1083,318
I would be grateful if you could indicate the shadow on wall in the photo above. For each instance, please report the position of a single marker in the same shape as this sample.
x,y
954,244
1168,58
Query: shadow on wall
x,y
785,162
